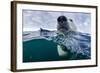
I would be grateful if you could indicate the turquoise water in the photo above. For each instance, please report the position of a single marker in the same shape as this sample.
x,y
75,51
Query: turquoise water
x,y
40,50
77,45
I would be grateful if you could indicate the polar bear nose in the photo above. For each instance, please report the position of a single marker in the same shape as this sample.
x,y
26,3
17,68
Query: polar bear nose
x,y
62,19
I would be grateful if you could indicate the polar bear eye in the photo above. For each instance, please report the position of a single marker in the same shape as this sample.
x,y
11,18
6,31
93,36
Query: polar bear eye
x,y
71,20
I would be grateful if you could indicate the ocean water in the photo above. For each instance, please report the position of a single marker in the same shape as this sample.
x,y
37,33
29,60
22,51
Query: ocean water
x,y
77,45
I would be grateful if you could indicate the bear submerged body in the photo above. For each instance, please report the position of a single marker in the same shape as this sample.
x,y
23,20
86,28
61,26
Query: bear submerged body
x,y
74,45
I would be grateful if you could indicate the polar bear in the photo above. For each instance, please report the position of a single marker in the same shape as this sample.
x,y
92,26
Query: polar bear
x,y
65,27
71,43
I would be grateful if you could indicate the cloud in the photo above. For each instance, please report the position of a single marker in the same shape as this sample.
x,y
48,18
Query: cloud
x,y
48,19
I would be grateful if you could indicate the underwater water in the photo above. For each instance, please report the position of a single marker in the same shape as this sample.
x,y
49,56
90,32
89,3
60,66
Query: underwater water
x,y
77,45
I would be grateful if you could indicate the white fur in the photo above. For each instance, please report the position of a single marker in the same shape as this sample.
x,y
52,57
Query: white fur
x,y
72,25
60,51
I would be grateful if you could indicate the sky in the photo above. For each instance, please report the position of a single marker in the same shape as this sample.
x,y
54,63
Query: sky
x,y
34,20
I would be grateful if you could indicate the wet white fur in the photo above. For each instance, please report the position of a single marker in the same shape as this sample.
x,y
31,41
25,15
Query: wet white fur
x,y
61,52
